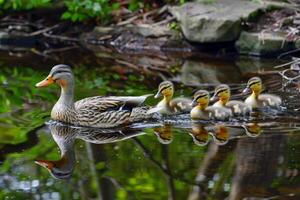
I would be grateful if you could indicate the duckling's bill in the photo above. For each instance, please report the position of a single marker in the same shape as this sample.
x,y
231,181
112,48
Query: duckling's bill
x,y
157,95
246,90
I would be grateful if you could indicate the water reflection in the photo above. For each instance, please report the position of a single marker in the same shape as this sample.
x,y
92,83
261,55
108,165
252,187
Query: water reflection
x,y
65,136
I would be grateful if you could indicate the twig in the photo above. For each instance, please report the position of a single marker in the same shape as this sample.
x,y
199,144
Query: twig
x,y
165,21
43,30
127,64
59,49
128,21
285,64
287,53
64,38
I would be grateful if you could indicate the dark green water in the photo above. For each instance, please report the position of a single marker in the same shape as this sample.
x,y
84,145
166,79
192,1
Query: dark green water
x,y
257,158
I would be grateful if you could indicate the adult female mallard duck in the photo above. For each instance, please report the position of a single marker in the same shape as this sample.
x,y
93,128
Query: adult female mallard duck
x,y
92,111
167,105
201,109
222,93
258,100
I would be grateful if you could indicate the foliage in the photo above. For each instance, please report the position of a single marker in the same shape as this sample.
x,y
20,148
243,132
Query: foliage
x,y
81,10
78,10
23,4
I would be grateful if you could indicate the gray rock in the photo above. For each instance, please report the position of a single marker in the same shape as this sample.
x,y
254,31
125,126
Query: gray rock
x,y
262,43
215,22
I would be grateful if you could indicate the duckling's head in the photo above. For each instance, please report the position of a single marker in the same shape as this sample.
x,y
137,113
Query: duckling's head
x,y
165,89
254,84
59,169
222,92
201,98
60,74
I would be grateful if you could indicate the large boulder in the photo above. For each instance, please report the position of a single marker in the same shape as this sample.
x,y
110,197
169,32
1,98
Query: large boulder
x,y
214,22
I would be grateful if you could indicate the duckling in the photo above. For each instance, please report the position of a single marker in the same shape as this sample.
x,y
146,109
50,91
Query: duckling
x,y
167,105
222,92
257,100
201,109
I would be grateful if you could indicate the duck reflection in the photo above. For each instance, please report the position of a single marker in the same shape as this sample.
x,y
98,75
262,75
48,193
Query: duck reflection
x,y
65,136
164,134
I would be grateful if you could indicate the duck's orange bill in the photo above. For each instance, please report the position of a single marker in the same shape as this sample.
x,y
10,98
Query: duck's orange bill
x,y
47,81
45,163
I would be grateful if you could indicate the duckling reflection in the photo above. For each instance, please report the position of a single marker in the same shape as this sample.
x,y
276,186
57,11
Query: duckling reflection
x,y
65,136
220,134
164,134
199,134
252,129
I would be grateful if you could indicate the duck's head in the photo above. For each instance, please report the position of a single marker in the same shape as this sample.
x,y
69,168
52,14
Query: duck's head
x,y
254,84
222,93
201,98
59,169
60,74
165,89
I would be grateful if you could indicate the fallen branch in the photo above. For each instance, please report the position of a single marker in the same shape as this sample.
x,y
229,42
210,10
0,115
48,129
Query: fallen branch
x,y
64,38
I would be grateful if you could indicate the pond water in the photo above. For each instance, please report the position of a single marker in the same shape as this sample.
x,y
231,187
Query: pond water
x,y
253,158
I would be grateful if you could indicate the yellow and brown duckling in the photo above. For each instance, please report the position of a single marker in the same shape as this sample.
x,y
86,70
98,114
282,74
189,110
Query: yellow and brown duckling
x,y
223,93
201,109
92,111
258,100
168,105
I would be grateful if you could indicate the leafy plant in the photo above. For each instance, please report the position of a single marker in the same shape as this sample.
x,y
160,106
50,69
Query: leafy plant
x,y
23,4
78,10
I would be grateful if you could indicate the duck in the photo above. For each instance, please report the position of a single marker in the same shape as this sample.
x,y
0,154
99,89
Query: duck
x,y
258,100
169,106
201,110
97,111
223,93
